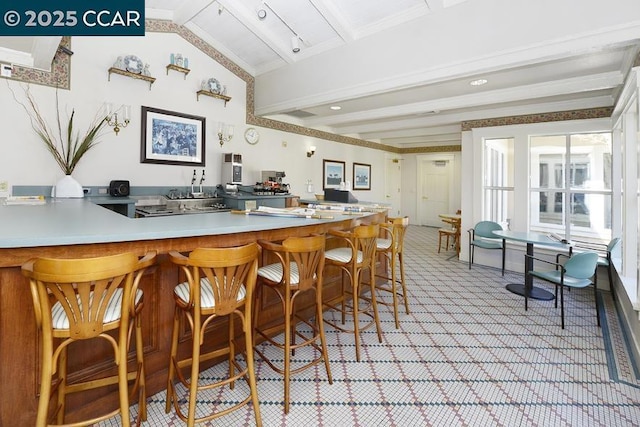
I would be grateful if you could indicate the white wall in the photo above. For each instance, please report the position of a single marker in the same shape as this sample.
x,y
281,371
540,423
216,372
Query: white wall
x,y
25,161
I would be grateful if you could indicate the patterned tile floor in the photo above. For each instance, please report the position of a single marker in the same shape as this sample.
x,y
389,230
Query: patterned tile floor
x,y
467,355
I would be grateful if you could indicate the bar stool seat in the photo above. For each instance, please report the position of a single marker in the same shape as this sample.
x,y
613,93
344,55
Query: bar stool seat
x,y
82,300
298,271
219,284
353,260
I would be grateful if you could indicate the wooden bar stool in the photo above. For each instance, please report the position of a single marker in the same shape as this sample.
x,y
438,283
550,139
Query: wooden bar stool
x,y
220,283
85,299
390,245
297,272
358,255
448,233
451,232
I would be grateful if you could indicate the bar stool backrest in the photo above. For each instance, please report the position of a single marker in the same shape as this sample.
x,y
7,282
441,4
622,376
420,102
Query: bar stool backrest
x,y
230,271
399,229
80,290
308,255
365,241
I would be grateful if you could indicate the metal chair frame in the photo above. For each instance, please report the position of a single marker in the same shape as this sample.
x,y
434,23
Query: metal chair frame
x,y
481,235
576,272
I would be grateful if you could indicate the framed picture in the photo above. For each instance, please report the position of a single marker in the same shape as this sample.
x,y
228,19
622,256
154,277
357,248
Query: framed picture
x,y
172,138
332,173
361,176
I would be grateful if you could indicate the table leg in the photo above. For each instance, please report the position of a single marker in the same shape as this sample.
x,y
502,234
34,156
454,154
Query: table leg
x,y
532,291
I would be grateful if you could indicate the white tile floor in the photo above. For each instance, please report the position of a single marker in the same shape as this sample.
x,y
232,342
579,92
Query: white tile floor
x,y
467,355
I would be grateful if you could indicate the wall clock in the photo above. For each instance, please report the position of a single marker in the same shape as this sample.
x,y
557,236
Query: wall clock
x,y
252,136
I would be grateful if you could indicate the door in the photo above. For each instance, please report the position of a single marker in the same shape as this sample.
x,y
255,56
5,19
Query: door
x,y
434,187
392,177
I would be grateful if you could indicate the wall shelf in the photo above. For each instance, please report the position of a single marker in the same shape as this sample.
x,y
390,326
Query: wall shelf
x,y
178,68
132,75
225,98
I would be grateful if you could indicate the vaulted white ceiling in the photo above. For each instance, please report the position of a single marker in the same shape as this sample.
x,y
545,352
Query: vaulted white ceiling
x,y
401,69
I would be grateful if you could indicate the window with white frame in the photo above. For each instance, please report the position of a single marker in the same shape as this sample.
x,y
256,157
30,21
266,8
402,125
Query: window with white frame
x,y
570,185
498,180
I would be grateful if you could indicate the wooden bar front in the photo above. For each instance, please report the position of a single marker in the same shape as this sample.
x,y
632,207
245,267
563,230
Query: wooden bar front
x,y
19,341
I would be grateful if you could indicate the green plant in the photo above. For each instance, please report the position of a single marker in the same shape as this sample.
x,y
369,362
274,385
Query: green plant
x,y
65,144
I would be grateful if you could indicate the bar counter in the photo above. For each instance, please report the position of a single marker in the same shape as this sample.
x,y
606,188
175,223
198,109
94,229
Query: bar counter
x,y
78,228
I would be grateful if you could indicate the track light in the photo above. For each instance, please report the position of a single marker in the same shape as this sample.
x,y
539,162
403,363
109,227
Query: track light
x,y
295,44
65,50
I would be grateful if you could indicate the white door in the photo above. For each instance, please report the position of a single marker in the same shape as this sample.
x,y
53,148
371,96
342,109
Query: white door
x,y
392,177
434,185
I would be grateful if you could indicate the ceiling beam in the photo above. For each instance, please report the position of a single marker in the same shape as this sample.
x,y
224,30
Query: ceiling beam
x,y
413,132
540,90
476,114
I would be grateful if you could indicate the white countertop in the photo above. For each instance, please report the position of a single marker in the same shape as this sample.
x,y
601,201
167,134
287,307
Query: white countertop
x,y
78,221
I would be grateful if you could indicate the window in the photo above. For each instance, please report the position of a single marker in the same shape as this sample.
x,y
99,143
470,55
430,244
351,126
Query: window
x,y
576,199
498,184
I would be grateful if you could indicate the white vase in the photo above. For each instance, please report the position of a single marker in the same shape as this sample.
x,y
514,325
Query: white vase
x,y
68,187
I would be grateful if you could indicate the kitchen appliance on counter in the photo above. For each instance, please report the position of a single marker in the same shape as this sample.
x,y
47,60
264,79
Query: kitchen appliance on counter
x,y
119,188
182,207
343,196
231,168
271,184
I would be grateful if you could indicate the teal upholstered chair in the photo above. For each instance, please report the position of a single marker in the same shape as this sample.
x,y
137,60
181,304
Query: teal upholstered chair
x,y
481,236
604,254
577,272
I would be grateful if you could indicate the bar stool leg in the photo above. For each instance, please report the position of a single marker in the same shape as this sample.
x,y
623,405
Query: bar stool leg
x,y
374,303
404,285
171,394
141,382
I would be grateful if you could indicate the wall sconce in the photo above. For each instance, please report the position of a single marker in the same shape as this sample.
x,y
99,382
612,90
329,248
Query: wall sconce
x,y
112,117
225,133
311,151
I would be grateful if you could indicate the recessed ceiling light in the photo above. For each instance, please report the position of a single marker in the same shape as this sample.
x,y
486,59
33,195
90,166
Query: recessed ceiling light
x,y
478,82
335,107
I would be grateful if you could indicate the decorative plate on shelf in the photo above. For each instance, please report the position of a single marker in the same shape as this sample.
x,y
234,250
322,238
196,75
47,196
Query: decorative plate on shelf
x,y
133,64
213,86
